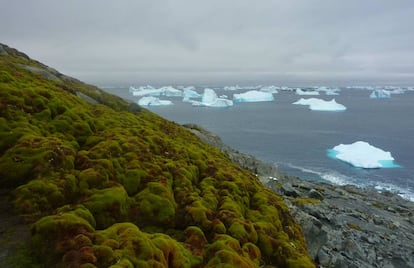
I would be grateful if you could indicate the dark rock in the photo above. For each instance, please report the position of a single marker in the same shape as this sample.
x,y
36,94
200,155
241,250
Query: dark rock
x,y
288,190
2,50
46,74
86,98
315,194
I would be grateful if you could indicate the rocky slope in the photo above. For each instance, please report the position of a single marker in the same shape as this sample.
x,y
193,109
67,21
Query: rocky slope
x,y
344,226
103,183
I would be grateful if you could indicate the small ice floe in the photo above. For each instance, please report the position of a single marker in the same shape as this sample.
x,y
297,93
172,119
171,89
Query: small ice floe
x,y
301,92
321,105
363,155
153,101
380,94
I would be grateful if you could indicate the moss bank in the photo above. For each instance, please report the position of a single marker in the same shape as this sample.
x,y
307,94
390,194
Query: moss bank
x,y
108,184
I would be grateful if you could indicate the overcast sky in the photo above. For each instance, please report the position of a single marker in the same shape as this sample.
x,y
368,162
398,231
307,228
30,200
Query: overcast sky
x,y
302,42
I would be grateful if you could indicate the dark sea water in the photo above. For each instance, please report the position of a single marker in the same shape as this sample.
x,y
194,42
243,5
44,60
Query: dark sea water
x,y
296,139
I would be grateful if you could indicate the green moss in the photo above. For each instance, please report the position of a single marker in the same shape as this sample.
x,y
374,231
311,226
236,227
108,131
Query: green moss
x,y
354,226
187,204
306,201
155,206
225,251
5,77
142,250
80,211
108,206
37,197
132,180
53,236
243,231
195,239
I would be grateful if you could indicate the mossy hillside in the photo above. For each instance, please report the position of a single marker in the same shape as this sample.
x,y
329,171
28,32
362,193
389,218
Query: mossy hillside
x,y
105,186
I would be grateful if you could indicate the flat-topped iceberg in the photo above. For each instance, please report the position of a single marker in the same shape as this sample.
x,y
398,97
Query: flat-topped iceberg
x,y
167,91
153,101
321,105
362,154
253,96
210,99
306,93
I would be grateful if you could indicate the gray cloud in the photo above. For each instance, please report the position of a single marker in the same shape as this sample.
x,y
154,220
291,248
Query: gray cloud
x,y
177,41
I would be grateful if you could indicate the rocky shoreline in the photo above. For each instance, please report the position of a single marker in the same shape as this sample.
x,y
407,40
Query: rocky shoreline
x,y
345,226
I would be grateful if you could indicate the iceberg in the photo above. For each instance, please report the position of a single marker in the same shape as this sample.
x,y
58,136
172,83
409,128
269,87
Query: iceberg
x,y
329,91
380,94
210,99
270,89
306,93
362,154
253,96
232,88
190,93
321,105
167,91
153,101
398,91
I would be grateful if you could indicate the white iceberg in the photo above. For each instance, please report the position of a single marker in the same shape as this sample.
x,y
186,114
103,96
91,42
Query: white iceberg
x,y
329,91
332,92
210,99
253,96
270,89
321,105
167,91
153,101
232,88
362,154
306,93
190,93
380,94
146,92
398,91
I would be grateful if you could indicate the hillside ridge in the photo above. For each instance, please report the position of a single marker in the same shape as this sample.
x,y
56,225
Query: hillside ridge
x,y
105,183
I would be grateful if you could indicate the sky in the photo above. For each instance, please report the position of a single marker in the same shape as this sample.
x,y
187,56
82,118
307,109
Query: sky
x,y
217,42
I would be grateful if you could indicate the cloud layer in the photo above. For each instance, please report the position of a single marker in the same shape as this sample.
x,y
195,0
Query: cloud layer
x,y
217,42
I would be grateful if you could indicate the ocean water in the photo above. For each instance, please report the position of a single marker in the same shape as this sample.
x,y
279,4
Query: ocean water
x,y
296,139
